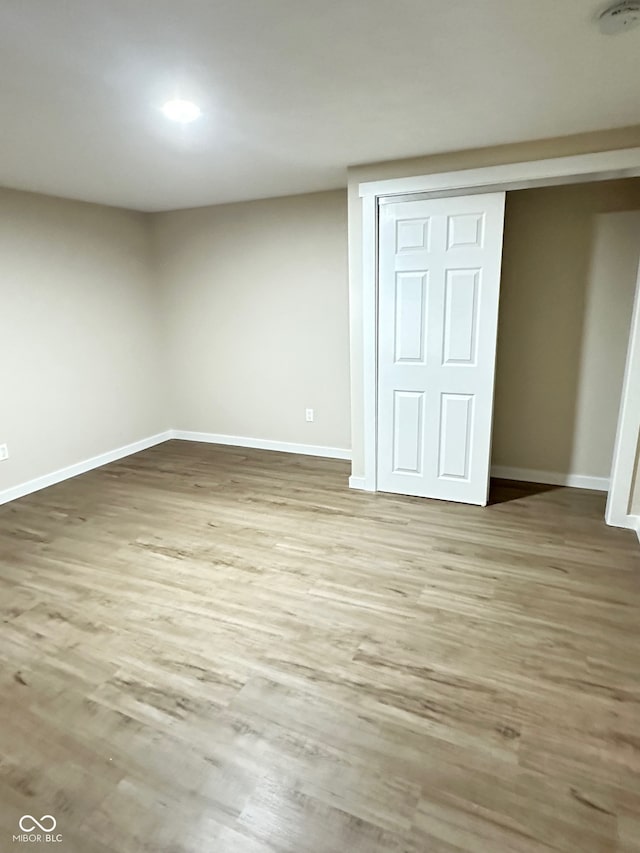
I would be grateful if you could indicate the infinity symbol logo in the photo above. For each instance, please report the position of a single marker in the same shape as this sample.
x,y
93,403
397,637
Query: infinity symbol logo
x,y
47,823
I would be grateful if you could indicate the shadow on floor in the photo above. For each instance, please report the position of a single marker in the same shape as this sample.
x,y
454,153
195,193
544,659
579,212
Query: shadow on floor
x,y
504,491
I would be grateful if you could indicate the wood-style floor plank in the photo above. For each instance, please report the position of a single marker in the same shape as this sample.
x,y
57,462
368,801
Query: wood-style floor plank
x,y
212,649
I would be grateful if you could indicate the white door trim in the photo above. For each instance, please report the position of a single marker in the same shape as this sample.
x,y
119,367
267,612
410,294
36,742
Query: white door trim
x,y
370,342
628,431
604,165
601,166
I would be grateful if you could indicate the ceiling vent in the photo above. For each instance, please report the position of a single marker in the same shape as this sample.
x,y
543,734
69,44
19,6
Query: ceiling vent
x,y
620,17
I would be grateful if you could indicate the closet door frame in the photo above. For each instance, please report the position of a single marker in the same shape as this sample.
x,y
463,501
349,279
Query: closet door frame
x,y
581,168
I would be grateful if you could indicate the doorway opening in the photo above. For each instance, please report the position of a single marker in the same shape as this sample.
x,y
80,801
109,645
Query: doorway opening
x,y
569,270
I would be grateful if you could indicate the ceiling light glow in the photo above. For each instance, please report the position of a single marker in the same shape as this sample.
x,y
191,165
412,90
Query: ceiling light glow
x,y
182,111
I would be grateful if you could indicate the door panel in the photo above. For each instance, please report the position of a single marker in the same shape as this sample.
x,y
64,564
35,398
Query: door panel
x,y
412,234
439,281
456,425
411,317
408,428
461,294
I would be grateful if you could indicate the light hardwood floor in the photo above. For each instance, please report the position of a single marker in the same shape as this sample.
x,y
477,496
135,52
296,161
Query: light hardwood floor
x,y
216,650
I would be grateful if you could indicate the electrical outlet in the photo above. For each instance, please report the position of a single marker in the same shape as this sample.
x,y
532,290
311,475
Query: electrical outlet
x,y
4,452
308,415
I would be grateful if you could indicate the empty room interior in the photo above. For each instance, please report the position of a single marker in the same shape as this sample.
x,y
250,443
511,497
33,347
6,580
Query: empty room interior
x,y
320,427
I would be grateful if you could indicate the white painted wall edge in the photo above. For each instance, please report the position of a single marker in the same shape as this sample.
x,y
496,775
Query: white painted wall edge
x,y
626,443
552,478
70,471
263,444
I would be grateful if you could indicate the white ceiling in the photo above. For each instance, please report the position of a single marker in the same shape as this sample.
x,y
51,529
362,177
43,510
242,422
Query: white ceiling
x,y
293,91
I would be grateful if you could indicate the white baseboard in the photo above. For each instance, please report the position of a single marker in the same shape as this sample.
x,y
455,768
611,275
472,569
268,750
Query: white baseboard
x,y
527,474
358,483
531,475
54,477
630,522
262,444
38,483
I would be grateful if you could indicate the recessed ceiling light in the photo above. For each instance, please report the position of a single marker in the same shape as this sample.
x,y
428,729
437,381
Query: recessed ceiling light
x,y
182,111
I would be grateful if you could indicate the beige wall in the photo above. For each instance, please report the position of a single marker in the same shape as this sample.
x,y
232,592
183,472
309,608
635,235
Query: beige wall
x,y
79,334
621,138
568,283
256,302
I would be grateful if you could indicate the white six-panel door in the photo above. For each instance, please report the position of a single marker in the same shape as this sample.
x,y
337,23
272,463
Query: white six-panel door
x,y
439,283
